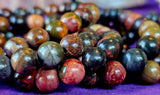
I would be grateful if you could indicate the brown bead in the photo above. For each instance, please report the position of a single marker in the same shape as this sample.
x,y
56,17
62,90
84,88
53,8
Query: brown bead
x,y
151,73
13,44
2,41
102,30
95,27
73,45
152,31
4,24
114,73
51,9
146,25
131,19
1,51
35,20
36,36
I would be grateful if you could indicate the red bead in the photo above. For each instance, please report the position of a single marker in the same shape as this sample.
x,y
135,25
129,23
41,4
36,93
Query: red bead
x,y
114,73
72,72
47,80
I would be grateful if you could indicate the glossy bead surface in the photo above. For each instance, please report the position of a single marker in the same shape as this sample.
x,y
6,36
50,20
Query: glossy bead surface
x,y
24,61
50,18
95,27
134,60
114,73
13,44
102,30
37,10
149,45
9,35
47,80
73,45
152,31
21,11
145,25
5,68
57,29
85,15
72,21
72,72
35,20
51,54
151,73
87,39
93,59
93,9
18,23
2,41
152,16
110,46
51,9
25,82
4,24
131,19
5,12
36,36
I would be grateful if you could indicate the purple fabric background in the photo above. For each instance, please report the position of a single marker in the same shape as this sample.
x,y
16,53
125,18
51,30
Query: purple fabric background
x,y
123,89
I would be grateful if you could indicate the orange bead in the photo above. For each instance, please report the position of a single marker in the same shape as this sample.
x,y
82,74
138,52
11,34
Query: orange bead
x,y
2,41
35,20
4,23
51,9
131,19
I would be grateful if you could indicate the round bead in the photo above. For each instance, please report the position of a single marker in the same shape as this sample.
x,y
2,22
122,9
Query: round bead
x,y
114,73
51,54
145,25
149,45
4,24
36,36
95,27
110,46
37,10
72,21
35,20
93,9
13,44
57,29
21,11
24,61
47,80
134,60
102,30
93,59
5,68
9,35
152,16
51,18
85,15
51,9
87,39
73,45
151,73
131,19
152,31
5,12
72,72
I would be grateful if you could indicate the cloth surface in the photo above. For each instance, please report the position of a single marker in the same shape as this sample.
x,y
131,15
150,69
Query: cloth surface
x,y
123,89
